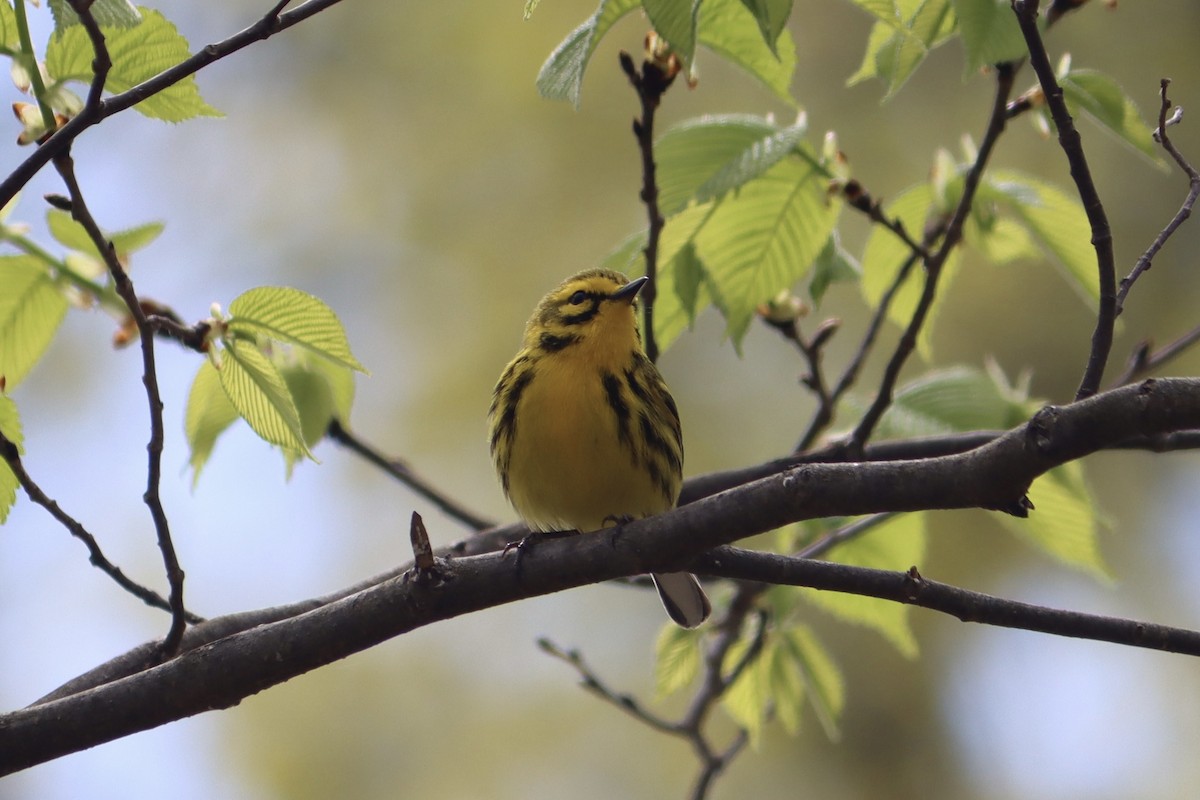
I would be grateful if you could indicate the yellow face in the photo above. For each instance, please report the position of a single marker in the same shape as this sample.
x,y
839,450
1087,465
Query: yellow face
x,y
590,316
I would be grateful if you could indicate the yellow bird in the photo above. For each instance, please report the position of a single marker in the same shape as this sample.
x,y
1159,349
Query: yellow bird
x,y
582,428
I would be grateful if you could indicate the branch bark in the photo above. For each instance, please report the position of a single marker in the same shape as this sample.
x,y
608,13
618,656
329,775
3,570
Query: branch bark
x,y
222,672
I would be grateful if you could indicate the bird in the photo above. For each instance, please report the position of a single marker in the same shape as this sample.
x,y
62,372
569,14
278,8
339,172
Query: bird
x,y
582,428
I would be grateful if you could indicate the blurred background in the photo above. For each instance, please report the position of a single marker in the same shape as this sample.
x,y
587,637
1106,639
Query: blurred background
x,y
396,160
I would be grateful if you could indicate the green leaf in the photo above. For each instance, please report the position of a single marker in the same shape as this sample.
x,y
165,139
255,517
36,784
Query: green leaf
x,y
70,234
290,315
824,687
10,38
950,400
108,13
1002,241
314,401
31,309
729,29
209,412
260,395
749,698
888,12
901,39
561,77
989,32
1063,522
671,318
833,265
138,53
678,659
704,159
895,544
772,17
10,426
766,237
1104,101
1055,220
675,21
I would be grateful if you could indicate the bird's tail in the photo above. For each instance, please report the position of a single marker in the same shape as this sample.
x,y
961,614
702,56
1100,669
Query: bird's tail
x,y
683,598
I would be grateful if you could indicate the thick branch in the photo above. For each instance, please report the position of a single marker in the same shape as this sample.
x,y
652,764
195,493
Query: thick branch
x,y
220,674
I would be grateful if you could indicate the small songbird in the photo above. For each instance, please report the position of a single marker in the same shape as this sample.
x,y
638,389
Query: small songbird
x,y
582,428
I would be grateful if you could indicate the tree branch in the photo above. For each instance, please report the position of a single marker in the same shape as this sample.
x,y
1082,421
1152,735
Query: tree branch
x,y
270,24
10,454
933,266
124,286
403,473
1072,145
223,672
1145,261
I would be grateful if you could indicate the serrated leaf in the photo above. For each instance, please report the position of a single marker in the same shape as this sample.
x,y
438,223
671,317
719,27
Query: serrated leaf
x,y
209,412
678,659
70,234
1056,221
950,400
260,395
704,159
1063,522
765,237
31,309
824,687
896,544
729,29
138,53
108,13
772,17
675,21
561,76
989,32
10,426
1100,97
292,316
886,11
900,41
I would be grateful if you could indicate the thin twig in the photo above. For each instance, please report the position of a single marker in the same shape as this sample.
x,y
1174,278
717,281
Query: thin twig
x,y
1069,139
843,534
124,286
1142,362
933,267
1147,258
268,25
592,682
10,454
650,83
914,589
401,472
861,200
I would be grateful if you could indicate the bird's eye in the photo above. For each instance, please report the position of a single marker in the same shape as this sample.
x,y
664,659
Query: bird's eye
x,y
578,298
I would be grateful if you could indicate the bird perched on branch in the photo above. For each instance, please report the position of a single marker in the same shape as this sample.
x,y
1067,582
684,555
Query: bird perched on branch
x,y
583,430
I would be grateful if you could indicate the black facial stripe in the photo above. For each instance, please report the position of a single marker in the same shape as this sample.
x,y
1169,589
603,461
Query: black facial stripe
x,y
585,312
551,343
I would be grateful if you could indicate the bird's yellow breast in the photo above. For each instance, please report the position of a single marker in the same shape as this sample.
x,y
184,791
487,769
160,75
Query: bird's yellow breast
x,y
569,467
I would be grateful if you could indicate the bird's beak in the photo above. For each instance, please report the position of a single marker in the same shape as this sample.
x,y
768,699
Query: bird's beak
x,y
629,291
